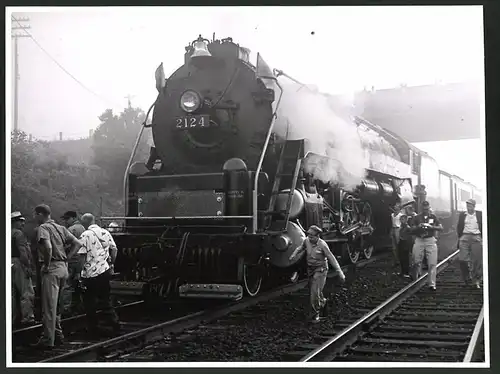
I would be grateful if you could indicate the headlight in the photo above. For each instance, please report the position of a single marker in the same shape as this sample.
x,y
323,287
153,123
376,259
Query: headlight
x,y
190,101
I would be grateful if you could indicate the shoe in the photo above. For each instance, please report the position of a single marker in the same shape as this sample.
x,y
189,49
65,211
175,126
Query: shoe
x,y
59,340
432,288
315,319
406,276
477,285
27,322
41,345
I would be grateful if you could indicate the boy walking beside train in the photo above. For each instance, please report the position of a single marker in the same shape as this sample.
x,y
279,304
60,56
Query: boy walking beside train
x,y
317,256
424,226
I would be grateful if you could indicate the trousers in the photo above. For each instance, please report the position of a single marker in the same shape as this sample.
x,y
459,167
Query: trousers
x,y
395,241
72,292
427,247
404,251
53,283
471,258
97,296
317,280
23,293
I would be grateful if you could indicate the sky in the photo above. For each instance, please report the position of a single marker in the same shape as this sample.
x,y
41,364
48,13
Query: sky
x,y
114,52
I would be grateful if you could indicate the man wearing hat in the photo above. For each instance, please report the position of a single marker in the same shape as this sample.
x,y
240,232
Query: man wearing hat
x,y
424,227
23,294
470,243
317,255
72,291
52,239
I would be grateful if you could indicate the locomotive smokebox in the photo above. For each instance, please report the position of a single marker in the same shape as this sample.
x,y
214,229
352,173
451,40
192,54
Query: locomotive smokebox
x,y
236,183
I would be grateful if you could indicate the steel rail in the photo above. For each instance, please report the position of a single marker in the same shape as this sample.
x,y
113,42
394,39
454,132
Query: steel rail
x,y
153,333
72,319
352,332
477,337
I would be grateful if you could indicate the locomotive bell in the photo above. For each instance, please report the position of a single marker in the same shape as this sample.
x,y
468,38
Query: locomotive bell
x,y
200,49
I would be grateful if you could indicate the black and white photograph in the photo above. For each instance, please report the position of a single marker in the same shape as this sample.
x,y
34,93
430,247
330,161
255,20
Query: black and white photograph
x,y
246,186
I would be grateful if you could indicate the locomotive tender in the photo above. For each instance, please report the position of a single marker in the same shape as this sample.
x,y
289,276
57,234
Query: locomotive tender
x,y
231,199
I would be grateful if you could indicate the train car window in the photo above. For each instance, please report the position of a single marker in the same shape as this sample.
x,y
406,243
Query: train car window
x,y
464,195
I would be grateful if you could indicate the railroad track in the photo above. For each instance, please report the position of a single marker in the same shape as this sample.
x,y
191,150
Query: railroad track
x,y
172,331
133,316
415,324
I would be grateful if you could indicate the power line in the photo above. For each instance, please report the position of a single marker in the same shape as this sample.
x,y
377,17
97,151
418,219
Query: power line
x,y
60,66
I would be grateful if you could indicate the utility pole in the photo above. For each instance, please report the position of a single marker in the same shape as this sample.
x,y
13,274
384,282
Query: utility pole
x,y
16,36
129,97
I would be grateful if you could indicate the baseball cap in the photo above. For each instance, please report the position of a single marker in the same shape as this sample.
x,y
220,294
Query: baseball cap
x,y
471,202
69,214
314,230
17,216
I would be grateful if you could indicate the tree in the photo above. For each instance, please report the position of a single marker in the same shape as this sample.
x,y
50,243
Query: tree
x,y
113,142
40,174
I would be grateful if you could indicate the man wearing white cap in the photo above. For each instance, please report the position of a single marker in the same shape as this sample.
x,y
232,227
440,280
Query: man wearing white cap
x,y
470,243
317,255
23,294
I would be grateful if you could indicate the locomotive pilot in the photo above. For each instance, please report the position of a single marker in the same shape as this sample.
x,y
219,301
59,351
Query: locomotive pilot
x,y
424,227
317,255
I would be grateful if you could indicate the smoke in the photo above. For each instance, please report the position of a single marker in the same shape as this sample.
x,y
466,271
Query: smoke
x,y
331,135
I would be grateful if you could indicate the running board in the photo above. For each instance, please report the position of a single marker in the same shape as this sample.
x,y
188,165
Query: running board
x,y
211,291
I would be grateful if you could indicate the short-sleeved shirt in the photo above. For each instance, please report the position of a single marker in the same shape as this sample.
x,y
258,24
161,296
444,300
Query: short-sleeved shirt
x,y
421,218
77,230
316,254
95,247
59,237
20,247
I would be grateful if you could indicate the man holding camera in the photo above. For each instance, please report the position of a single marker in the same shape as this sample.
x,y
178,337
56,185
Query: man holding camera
x,y
424,227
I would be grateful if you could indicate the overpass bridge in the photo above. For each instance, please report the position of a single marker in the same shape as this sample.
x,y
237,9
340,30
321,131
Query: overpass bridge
x,y
427,113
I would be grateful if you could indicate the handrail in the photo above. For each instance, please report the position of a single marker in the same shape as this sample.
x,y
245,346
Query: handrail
x,y
261,160
359,323
132,155
476,338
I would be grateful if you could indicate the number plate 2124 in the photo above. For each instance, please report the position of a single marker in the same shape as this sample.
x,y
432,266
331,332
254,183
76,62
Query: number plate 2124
x,y
192,122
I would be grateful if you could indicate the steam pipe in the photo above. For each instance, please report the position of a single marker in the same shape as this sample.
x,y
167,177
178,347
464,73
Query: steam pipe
x,y
132,155
261,160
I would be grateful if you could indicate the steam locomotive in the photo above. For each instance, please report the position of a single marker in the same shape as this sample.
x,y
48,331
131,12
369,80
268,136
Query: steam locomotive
x,y
231,199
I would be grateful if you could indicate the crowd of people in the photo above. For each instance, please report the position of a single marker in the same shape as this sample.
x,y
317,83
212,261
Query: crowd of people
x,y
414,237
74,265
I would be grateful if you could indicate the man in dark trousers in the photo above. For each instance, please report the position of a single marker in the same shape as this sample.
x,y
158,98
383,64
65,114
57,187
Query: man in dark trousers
x,y
318,255
470,243
52,239
405,246
23,293
72,291
99,254
424,226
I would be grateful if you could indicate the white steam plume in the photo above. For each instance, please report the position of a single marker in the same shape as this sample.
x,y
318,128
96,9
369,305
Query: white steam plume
x,y
325,122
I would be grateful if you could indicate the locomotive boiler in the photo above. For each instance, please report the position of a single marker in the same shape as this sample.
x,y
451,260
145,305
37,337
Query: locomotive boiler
x,y
232,197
